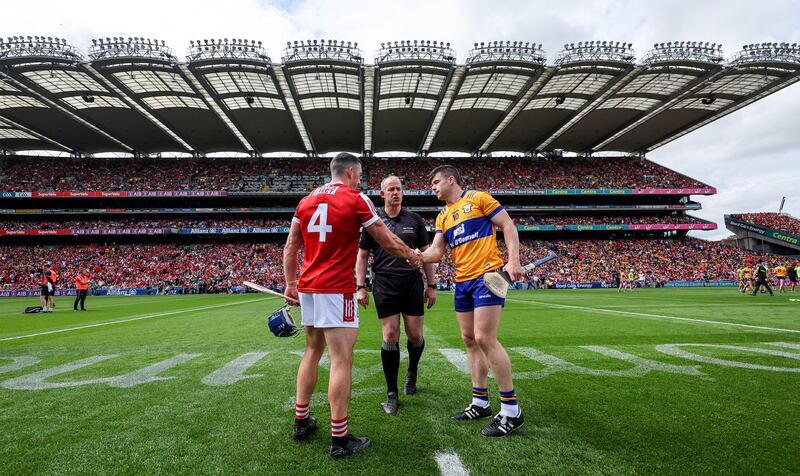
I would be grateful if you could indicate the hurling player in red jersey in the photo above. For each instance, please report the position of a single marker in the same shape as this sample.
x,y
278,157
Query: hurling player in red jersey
x,y
327,223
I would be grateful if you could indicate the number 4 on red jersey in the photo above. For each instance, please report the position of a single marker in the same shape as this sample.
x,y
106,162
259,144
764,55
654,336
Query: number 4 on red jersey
x,y
330,220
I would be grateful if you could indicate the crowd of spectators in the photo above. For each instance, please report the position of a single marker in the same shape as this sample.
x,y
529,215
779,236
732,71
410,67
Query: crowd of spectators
x,y
137,223
217,267
604,219
223,266
536,173
72,174
47,174
777,221
187,222
658,261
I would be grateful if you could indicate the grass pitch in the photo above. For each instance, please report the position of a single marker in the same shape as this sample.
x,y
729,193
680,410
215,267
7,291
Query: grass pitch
x,y
604,388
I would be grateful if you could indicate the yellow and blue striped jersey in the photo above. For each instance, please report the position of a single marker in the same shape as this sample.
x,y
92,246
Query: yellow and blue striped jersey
x,y
469,231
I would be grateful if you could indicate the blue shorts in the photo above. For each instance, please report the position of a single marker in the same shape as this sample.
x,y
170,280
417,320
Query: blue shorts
x,y
471,294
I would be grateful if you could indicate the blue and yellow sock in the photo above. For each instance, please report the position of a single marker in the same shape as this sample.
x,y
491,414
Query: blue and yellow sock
x,y
508,404
480,397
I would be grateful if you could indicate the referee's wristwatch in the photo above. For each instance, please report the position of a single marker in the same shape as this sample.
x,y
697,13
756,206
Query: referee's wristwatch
x,y
432,286
361,286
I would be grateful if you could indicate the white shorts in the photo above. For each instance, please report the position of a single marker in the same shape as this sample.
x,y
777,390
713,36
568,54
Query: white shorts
x,y
329,310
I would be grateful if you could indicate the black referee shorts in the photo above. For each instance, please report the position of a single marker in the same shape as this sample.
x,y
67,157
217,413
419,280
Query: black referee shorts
x,y
399,295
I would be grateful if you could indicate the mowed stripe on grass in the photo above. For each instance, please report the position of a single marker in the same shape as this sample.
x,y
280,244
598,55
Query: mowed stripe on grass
x,y
135,318
619,312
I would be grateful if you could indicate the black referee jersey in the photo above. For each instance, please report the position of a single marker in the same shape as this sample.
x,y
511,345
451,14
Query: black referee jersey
x,y
410,228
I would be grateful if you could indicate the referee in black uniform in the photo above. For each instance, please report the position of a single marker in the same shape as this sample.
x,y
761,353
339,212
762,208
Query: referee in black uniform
x,y
398,289
761,273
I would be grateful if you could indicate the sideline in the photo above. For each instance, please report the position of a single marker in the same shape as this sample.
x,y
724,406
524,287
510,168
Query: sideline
x,y
137,318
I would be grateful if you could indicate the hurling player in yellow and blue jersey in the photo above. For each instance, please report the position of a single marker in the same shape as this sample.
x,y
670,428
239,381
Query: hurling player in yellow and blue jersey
x,y
467,225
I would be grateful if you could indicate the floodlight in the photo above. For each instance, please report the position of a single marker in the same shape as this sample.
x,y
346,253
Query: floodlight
x,y
708,99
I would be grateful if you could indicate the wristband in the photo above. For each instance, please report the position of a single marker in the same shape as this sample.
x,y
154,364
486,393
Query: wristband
x,y
432,286
360,286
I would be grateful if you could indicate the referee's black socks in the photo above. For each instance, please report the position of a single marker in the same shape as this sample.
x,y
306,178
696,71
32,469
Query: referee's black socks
x,y
414,354
390,357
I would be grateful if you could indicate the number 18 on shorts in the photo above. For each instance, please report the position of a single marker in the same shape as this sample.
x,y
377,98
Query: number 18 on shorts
x,y
329,310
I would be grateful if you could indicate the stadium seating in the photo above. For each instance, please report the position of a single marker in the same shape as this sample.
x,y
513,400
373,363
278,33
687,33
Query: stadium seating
x,y
144,223
777,221
530,173
117,223
659,260
47,174
221,266
211,267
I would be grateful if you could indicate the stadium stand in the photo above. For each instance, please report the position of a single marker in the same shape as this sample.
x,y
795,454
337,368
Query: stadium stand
x,y
223,222
595,102
135,223
45,174
776,221
539,173
220,267
201,267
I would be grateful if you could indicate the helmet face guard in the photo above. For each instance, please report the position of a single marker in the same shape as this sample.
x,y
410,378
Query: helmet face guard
x,y
281,323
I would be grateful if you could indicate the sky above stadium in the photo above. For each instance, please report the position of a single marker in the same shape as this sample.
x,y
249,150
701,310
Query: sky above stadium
x,y
752,156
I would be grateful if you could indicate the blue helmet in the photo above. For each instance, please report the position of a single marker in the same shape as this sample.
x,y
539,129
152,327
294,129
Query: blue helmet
x,y
282,324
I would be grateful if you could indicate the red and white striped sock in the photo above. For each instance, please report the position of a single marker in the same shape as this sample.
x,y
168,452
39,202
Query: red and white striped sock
x,y
339,428
300,411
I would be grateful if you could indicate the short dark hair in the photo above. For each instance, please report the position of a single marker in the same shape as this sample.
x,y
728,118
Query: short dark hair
x,y
342,162
446,171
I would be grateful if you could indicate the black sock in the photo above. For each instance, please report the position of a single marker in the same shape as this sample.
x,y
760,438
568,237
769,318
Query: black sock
x,y
414,354
390,357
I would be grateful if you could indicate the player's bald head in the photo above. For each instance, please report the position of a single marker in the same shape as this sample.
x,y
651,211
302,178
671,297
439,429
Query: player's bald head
x,y
390,181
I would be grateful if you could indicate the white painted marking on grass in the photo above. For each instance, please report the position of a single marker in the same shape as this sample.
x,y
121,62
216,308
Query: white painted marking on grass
x,y
655,316
36,380
18,363
552,364
136,318
676,351
450,464
788,345
234,370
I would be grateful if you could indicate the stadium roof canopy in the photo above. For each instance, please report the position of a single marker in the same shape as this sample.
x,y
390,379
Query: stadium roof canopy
x,y
133,95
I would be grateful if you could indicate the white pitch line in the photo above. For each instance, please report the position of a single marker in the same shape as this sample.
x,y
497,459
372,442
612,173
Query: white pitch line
x,y
656,316
450,464
137,318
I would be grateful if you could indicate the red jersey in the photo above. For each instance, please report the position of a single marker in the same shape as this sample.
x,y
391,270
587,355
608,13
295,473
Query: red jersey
x,y
330,220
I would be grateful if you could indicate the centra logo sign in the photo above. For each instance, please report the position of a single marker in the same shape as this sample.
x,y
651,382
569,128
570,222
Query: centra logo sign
x,y
788,239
